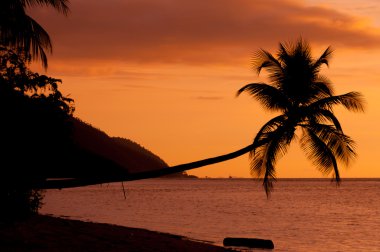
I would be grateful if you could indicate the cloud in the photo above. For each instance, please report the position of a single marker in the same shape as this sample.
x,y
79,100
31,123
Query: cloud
x,y
194,32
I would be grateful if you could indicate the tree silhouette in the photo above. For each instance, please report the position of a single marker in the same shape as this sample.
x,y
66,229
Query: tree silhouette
x,y
305,99
18,30
34,113
35,132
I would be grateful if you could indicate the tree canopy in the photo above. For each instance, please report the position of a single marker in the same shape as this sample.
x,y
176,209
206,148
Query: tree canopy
x,y
305,100
19,31
35,125
35,132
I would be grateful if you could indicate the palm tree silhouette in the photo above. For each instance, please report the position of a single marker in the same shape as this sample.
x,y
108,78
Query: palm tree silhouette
x,y
304,98
18,30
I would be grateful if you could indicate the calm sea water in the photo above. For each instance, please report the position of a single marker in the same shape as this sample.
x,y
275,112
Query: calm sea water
x,y
301,215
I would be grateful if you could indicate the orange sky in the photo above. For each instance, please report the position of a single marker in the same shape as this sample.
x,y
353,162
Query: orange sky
x,y
164,73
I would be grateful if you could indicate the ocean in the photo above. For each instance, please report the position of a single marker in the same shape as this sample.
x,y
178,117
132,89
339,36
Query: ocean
x,y
300,215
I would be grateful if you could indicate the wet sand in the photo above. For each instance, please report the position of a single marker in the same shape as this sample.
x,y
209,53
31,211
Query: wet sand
x,y
46,233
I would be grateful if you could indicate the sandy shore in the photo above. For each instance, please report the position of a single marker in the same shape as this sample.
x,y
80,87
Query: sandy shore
x,y
45,233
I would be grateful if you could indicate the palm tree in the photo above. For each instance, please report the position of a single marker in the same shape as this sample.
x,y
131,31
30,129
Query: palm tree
x,y
305,100
20,31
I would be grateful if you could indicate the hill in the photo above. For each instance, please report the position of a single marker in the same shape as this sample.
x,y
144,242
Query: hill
x,y
125,153
119,154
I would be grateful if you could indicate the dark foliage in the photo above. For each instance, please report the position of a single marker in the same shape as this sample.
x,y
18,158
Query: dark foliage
x,y
35,130
19,30
19,203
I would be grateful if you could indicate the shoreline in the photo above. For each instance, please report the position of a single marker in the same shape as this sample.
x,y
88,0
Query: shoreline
x,y
48,233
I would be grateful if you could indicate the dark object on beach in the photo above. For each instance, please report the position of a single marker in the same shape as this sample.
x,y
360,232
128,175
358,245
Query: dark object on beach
x,y
248,242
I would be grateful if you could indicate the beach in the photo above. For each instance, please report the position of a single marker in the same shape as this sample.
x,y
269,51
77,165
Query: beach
x,y
48,233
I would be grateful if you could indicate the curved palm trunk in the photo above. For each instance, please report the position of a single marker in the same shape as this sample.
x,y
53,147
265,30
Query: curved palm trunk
x,y
77,182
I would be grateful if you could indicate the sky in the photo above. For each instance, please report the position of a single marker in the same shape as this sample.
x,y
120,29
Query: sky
x,y
164,73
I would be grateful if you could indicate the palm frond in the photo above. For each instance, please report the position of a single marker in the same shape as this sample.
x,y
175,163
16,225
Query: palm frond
x,y
270,126
323,114
282,53
318,89
323,59
36,40
302,49
299,76
323,85
264,59
60,5
299,49
20,31
341,145
321,155
270,97
352,101
264,158
263,167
